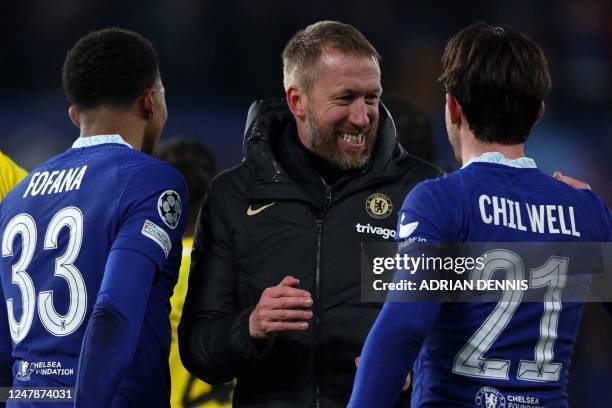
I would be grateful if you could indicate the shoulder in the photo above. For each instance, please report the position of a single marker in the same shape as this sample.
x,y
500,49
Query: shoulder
x,y
437,196
231,183
131,160
440,184
145,168
589,199
586,202
125,163
599,210
421,196
153,179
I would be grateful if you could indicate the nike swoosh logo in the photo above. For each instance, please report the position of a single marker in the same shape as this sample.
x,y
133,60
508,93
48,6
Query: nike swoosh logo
x,y
251,211
405,230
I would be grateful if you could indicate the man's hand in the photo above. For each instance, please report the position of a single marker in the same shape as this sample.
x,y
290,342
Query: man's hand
x,y
280,308
572,182
406,383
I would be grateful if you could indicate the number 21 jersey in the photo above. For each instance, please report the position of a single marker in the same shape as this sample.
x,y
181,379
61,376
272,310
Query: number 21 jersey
x,y
487,354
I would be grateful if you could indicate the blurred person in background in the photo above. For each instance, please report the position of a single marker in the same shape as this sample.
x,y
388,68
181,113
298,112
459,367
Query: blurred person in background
x,y
10,175
91,240
196,164
413,127
274,289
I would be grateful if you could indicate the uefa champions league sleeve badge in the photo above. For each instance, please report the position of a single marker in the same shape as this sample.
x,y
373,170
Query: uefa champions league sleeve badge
x,y
169,208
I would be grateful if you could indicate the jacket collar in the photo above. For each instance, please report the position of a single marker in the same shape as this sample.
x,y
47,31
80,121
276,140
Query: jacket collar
x,y
269,120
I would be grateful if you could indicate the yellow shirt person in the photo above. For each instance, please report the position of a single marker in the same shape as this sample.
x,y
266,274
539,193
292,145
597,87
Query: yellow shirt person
x,y
197,165
10,175
188,391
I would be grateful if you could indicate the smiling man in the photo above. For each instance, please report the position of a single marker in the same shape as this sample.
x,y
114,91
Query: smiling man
x,y
328,126
274,290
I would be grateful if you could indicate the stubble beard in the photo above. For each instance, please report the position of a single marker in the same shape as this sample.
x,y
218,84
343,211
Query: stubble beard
x,y
325,145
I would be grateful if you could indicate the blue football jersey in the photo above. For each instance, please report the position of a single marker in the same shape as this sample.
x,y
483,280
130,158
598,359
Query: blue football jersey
x,y
58,228
490,202
483,354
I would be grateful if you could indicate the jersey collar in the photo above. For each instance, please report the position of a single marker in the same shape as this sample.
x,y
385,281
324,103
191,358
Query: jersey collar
x,y
498,158
98,140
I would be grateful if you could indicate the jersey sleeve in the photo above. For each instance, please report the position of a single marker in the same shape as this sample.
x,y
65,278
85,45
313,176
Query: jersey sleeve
x,y
389,352
607,221
422,218
396,337
602,214
153,213
152,222
114,327
421,229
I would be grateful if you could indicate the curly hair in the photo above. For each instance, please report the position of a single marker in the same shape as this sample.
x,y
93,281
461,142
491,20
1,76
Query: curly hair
x,y
110,67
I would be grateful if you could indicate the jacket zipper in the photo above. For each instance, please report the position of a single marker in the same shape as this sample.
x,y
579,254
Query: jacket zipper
x,y
317,303
319,229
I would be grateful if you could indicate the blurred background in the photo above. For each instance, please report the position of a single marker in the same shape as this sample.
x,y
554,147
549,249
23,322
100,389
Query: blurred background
x,y
219,56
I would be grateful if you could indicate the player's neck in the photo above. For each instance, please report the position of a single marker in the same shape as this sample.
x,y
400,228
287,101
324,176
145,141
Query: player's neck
x,y
472,148
109,123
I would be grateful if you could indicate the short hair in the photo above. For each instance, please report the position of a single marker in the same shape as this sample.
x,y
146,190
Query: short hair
x,y
413,127
500,77
196,164
302,52
110,67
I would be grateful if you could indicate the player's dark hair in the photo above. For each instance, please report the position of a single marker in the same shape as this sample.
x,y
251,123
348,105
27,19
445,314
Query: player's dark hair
x,y
302,52
110,67
197,165
499,76
413,127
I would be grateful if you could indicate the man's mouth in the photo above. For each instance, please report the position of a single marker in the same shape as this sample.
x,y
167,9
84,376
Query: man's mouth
x,y
356,139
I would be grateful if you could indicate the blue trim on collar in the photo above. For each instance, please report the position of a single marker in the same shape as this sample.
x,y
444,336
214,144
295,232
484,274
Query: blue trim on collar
x,y
98,140
498,158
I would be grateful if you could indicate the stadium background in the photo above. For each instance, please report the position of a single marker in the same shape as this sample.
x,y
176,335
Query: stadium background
x,y
218,56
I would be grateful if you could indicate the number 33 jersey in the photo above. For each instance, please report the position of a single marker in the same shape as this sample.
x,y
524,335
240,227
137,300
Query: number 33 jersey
x,y
488,354
58,228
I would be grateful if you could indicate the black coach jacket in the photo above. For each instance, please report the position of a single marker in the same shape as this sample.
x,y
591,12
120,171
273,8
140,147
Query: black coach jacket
x,y
272,216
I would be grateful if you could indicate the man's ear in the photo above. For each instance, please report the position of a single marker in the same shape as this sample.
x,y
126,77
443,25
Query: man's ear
x,y
454,109
540,113
148,103
296,101
74,116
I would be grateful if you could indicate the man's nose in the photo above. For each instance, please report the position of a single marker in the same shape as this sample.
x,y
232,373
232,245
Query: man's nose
x,y
359,113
